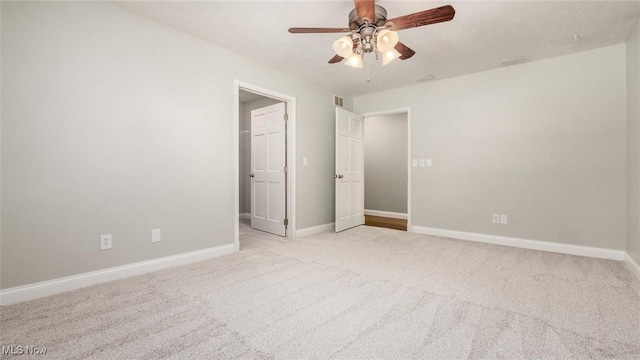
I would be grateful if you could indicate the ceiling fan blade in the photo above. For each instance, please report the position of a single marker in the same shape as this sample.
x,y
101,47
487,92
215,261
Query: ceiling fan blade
x,y
336,59
299,30
366,8
432,16
405,51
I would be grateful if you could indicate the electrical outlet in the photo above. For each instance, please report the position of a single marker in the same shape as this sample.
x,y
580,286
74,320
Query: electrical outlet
x,y
105,242
503,219
496,218
155,235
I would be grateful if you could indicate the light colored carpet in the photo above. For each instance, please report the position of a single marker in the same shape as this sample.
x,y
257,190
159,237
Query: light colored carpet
x,y
364,293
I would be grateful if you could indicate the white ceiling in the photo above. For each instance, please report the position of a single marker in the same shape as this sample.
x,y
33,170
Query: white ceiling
x,y
482,34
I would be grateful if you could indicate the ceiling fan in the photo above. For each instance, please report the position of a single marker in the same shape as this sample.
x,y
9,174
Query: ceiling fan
x,y
371,32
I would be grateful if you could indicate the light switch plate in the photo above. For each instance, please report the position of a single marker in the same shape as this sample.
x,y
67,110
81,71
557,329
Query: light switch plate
x,y
414,162
422,162
429,162
155,235
503,219
305,161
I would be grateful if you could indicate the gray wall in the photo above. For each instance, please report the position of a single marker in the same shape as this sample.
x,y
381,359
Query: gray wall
x,y
245,149
101,135
0,148
633,144
543,142
385,163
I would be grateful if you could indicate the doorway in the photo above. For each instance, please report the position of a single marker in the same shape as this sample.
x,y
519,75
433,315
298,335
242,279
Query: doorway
x,y
350,176
386,164
268,204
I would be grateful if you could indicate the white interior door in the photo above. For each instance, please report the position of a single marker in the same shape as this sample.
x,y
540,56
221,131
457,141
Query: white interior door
x,y
268,169
349,170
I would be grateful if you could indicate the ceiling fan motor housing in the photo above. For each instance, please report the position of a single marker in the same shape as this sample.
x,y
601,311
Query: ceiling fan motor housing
x,y
367,38
355,23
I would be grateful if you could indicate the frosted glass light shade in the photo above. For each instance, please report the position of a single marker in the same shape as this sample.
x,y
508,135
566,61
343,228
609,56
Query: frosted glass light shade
x,y
343,46
355,61
389,56
386,40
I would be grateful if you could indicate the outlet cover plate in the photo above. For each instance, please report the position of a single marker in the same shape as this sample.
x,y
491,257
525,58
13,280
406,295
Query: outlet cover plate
x,y
105,242
155,235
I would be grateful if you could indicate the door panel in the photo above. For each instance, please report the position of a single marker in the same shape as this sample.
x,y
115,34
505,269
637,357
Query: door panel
x,y
349,170
343,161
275,211
356,155
268,169
259,155
260,194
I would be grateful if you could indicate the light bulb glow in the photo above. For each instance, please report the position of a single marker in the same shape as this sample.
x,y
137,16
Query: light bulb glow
x,y
343,46
389,56
386,40
355,61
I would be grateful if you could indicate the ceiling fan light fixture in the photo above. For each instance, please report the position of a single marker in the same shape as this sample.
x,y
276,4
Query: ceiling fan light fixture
x,y
386,40
355,60
370,31
343,46
389,56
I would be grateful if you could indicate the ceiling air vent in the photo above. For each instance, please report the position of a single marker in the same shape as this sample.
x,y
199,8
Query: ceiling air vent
x,y
514,61
338,101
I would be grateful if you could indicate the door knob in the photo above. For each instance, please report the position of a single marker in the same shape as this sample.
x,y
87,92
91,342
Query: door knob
x,y
340,176
336,176
251,175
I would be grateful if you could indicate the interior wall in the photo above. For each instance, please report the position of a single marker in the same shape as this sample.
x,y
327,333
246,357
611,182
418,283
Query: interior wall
x,y
245,153
0,148
633,144
542,142
101,135
385,163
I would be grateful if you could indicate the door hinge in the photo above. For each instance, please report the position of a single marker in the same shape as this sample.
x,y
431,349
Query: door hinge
x,y
286,222
286,169
286,117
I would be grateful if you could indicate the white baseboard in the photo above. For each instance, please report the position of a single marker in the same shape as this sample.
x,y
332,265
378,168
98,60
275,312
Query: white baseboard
x,y
245,216
314,230
569,249
388,214
45,288
633,265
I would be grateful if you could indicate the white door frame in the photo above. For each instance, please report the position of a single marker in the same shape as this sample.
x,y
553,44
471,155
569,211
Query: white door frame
x,y
405,110
291,153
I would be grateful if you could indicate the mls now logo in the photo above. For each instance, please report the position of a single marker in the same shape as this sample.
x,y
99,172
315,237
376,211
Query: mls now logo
x,y
23,350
